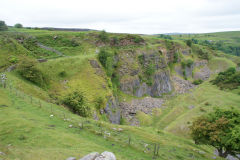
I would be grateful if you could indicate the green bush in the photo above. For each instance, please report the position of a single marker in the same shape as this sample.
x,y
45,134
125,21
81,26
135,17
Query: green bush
x,y
18,25
175,57
197,82
109,66
13,59
100,103
63,74
115,40
229,79
77,102
3,26
28,70
189,42
103,36
102,57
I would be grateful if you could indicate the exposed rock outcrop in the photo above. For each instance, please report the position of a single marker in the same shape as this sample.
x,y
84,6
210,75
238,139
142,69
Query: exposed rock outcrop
x,y
113,111
161,84
181,85
146,105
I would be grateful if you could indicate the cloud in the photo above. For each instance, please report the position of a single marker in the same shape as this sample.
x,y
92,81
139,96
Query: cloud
x,y
148,17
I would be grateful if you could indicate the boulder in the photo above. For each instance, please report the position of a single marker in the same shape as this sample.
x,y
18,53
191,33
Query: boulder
x,y
91,156
106,156
103,156
71,158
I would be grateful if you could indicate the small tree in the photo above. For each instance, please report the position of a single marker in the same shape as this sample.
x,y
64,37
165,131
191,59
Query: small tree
x,y
189,42
3,26
18,25
220,129
104,36
78,103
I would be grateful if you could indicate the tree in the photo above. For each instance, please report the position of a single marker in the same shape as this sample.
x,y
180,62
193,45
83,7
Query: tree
x,y
220,129
189,42
3,26
18,25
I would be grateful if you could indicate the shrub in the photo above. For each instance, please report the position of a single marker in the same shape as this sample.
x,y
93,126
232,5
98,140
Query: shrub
x,y
63,74
18,25
189,63
229,79
103,36
115,40
28,70
175,57
103,55
3,26
77,102
197,82
109,66
13,59
100,102
189,42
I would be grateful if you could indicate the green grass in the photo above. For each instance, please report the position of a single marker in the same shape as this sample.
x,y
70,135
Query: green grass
x,y
28,131
178,116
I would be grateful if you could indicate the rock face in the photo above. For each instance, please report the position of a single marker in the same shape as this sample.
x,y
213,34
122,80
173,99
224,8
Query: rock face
x,y
96,156
161,84
146,105
203,74
134,77
181,85
112,110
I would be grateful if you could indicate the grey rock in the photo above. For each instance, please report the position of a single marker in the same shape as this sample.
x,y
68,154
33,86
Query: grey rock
x,y
106,156
94,64
146,105
71,158
11,68
91,156
161,84
191,107
42,60
113,111
203,74
182,86
1,153
50,49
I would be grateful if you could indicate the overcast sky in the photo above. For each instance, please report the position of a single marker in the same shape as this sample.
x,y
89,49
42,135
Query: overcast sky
x,y
126,16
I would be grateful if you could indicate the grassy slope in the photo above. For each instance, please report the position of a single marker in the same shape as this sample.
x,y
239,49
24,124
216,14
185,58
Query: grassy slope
x,y
29,128
28,132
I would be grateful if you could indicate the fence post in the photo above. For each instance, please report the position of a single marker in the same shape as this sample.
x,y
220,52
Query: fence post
x,y
129,140
40,104
31,99
51,109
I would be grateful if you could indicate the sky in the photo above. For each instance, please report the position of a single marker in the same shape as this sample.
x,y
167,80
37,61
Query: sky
x,y
126,16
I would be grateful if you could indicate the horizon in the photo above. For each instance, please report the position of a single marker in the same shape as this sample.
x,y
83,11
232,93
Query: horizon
x,y
144,17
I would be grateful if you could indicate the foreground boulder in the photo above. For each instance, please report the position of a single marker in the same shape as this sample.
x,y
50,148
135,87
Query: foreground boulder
x,y
96,156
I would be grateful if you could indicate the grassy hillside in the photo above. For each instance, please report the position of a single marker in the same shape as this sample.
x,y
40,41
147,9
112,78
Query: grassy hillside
x,y
227,42
28,131
35,123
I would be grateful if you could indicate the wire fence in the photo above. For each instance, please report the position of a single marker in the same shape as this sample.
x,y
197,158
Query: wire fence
x,y
114,134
